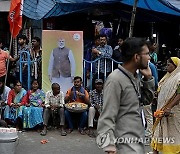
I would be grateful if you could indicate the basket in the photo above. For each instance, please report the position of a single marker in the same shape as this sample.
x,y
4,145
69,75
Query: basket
x,y
76,107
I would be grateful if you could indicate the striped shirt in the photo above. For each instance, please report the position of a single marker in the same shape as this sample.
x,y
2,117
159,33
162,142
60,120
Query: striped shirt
x,y
96,98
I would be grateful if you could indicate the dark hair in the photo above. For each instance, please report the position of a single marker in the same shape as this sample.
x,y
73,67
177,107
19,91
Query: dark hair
x,y
96,37
37,39
120,38
34,80
77,77
54,84
24,38
132,46
15,82
149,44
2,79
103,35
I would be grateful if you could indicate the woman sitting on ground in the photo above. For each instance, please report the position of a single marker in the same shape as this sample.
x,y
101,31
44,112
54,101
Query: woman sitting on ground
x,y
34,101
13,111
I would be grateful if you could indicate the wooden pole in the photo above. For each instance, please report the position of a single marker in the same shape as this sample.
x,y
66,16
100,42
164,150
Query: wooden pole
x,y
133,18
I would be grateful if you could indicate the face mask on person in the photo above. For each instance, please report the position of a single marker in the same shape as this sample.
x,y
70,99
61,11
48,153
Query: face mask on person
x,y
61,44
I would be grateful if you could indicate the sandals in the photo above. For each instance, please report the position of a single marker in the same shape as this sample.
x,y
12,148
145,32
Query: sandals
x,y
63,132
69,130
82,132
91,133
44,132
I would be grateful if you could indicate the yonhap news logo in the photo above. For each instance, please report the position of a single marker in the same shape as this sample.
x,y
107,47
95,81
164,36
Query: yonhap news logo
x,y
103,140
128,140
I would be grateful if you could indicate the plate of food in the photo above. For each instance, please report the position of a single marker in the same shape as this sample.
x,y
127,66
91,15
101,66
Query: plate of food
x,y
76,107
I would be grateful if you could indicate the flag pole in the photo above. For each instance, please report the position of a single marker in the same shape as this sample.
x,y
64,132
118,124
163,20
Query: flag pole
x,y
12,12
16,8
7,65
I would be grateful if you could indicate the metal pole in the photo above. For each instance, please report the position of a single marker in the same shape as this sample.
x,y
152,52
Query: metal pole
x,y
133,18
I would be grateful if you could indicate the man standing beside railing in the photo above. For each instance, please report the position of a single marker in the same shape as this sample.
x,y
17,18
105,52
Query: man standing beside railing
x,y
36,56
117,55
102,66
23,48
88,57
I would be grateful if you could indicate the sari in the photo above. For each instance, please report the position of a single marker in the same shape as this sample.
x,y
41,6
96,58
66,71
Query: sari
x,y
12,113
33,115
166,132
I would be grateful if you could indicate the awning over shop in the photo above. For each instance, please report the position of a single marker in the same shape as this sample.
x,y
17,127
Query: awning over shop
x,y
38,9
162,6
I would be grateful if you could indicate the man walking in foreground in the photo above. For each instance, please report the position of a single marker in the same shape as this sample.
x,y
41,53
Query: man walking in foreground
x,y
121,123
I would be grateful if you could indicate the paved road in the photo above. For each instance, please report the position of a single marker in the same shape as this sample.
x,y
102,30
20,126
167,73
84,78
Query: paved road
x,y
74,143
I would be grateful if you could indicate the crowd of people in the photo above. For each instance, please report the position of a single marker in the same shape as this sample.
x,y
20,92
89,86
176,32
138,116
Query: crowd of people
x,y
137,109
33,108
120,107
126,101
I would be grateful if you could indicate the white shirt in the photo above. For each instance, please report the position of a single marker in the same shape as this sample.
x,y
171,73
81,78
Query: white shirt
x,y
50,99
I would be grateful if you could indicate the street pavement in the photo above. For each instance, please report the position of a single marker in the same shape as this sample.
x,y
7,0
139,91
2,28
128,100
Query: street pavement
x,y
74,143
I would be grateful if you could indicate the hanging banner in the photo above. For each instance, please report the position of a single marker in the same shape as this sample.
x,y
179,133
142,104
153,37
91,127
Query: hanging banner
x,y
62,58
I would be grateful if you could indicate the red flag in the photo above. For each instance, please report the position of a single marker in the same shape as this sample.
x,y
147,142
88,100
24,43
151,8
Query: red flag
x,y
15,17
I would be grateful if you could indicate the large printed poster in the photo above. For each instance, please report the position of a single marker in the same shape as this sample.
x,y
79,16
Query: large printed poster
x,y
62,58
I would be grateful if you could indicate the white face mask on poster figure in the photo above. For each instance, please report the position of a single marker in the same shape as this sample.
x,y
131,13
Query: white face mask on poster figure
x,y
61,43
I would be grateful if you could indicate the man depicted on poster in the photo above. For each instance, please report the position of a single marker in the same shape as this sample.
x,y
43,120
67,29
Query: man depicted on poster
x,y
62,66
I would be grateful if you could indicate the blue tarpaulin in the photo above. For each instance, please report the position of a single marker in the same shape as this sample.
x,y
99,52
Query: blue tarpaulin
x,y
156,5
38,9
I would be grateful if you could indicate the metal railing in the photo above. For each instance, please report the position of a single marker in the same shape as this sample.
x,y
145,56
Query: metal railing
x,y
28,63
91,63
